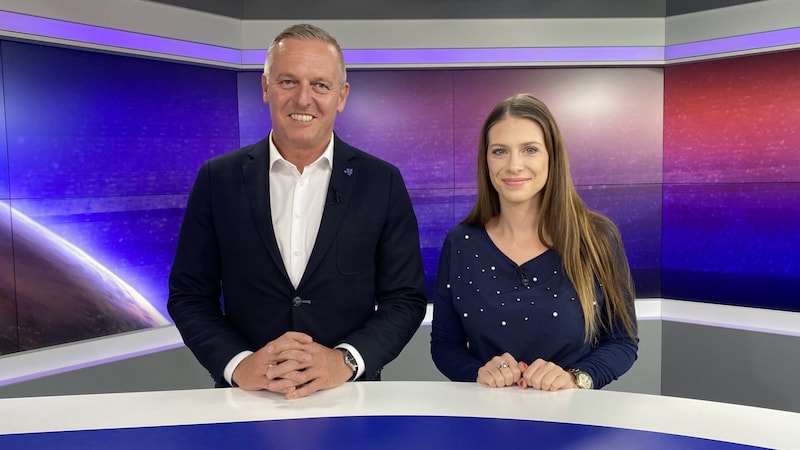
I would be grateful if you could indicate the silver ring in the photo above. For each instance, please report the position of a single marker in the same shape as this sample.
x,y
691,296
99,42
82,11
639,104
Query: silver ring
x,y
503,365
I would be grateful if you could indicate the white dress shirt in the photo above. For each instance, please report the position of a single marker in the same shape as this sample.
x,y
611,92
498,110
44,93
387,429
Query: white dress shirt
x,y
296,201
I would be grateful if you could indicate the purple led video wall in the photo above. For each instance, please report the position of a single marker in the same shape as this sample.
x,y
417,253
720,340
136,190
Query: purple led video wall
x,y
427,122
732,181
99,153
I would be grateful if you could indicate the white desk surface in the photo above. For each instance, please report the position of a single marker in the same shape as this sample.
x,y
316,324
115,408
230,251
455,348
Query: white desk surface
x,y
686,417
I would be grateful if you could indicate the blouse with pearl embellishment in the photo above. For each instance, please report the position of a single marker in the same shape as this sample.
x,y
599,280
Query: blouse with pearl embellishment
x,y
485,305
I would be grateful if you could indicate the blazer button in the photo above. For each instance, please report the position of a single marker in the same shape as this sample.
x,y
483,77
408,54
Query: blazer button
x,y
297,301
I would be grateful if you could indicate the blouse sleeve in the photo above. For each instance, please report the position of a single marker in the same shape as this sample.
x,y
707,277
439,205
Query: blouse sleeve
x,y
614,355
448,337
615,350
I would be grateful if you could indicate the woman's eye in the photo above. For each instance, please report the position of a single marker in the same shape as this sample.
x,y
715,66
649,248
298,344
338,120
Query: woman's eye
x,y
498,151
531,150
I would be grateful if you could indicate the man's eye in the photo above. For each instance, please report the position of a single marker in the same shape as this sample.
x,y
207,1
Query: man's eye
x,y
321,87
287,83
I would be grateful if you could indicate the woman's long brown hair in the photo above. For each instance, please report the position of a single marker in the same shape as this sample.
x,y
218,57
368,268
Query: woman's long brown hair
x,y
589,243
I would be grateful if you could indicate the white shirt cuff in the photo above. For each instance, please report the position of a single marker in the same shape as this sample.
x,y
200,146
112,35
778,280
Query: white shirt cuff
x,y
231,366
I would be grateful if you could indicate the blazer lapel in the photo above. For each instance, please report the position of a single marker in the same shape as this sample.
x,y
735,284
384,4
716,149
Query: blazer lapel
x,y
340,192
256,183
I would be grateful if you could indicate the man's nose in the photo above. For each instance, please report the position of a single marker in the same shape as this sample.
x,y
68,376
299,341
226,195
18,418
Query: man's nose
x,y
304,94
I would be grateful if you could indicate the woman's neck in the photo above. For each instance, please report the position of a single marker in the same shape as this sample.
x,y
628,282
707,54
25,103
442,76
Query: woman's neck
x,y
515,233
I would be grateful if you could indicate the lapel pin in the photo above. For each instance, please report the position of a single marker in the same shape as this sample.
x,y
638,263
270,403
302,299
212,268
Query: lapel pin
x,y
348,171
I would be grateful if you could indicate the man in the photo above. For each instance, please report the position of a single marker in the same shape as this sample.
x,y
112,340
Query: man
x,y
298,265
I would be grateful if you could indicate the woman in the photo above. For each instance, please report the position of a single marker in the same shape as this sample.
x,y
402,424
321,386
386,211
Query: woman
x,y
533,288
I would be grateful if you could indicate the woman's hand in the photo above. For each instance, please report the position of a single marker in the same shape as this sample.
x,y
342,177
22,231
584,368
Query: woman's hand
x,y
500,371
546,376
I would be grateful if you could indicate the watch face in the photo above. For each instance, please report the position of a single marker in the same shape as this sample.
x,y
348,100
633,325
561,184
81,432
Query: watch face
x,y
583,380
350,360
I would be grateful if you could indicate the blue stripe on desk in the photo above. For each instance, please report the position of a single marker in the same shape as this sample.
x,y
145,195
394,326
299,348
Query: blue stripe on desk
x,y
365,432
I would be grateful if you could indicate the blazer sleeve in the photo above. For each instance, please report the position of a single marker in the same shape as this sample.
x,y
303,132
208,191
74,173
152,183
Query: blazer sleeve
x,y
194,285
399,284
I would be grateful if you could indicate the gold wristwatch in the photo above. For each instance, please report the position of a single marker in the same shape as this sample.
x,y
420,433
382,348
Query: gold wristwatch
x,y
582,379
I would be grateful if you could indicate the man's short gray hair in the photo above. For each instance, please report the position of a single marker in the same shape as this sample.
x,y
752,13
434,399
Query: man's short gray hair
x,y
305,32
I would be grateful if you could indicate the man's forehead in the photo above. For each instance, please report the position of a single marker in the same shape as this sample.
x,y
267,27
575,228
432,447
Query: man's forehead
x,y
317,44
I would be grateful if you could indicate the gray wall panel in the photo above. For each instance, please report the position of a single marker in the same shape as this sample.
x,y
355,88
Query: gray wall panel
x,y
448,9
732,366
172,369
676,359
177,369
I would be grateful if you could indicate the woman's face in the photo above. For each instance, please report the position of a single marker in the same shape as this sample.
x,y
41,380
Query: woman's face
x,y
518,160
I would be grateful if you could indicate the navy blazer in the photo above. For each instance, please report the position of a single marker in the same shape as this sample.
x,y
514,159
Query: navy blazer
x,y
363,285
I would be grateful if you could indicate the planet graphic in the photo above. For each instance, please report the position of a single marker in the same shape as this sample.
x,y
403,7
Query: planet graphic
x,y
51,292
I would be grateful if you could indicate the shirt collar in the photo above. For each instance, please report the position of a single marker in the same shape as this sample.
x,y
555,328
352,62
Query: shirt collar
x,y
275,155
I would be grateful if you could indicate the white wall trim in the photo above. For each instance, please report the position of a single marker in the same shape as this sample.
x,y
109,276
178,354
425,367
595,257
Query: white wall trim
x,y
23,366
734,317
156,30
746,19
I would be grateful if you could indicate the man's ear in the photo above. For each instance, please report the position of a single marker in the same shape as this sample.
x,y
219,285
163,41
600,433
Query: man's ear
x,y
343,96
264,87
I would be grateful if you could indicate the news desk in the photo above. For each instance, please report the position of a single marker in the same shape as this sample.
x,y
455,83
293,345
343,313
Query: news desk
x,y
390,415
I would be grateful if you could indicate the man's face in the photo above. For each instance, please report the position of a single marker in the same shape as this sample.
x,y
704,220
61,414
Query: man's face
x,y
304,92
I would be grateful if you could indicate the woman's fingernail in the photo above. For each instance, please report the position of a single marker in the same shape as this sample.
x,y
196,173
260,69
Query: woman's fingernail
x,y
522,383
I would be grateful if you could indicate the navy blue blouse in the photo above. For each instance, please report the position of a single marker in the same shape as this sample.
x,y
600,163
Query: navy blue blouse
x,y
485,305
